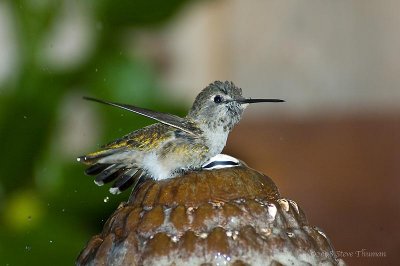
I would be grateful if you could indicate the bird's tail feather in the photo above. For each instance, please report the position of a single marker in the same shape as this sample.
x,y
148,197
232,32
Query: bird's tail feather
x,y
108,174
124,177
107,166
96,169
94,157
130,177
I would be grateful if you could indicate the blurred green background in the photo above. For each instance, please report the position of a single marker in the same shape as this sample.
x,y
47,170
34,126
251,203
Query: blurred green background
x,y
48,208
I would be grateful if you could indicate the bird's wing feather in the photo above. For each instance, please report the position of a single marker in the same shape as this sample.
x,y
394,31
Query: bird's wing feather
x,y
142,139
168,119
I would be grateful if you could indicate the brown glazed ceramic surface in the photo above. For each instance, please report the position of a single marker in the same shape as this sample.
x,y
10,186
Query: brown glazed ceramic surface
x,y
231,216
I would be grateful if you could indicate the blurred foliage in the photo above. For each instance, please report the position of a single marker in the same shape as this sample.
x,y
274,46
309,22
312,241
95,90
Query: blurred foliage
x,y
48,208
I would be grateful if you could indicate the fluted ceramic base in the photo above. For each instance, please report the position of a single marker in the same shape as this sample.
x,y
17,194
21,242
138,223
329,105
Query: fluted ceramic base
x,y
232,216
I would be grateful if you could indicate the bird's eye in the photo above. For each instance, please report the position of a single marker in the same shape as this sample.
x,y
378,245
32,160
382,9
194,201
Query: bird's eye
x,y
218,99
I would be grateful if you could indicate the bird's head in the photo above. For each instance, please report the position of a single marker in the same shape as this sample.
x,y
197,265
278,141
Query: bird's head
x,y
221,104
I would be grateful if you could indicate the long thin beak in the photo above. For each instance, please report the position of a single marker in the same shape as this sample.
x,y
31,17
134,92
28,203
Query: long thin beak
x,y
259,101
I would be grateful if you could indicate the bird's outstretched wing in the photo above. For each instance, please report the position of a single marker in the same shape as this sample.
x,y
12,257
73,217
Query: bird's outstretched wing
x,y
168,119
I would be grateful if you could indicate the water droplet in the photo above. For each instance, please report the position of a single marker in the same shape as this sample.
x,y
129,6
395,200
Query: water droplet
x,y
259,201
97,70
234,220
106,199
290,234
28,248
203,235
75,190
217,204
272,210
174,239
240,201
63,210
266,231
29,218
294,205
320,232
25,117
221,259
147,208
51,241
189,210
284,204
235,235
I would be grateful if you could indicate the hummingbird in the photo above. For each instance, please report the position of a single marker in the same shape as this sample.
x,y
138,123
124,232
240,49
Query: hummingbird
x,y
173,145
